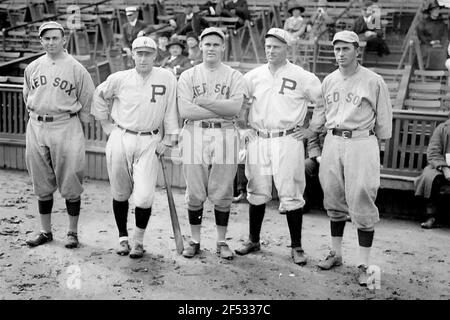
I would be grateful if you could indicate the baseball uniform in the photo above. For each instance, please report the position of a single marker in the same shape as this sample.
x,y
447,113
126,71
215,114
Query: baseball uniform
x,y
57,92
210,143
139,108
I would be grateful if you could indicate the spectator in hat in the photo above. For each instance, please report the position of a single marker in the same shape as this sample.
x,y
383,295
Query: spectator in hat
x,y
194,53
318,26
176,62
162,52
433,36
190,20
368,28
295,25
234,8
131,28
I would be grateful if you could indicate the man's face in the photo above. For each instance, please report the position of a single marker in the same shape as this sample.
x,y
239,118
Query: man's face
x,y
276,51
345,53
434,13
296,13
212,47
175,50
144,59
188,10
191,42
131,16
53,41
163,41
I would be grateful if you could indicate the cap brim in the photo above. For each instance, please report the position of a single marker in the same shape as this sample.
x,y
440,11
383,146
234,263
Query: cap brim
x,y
211,33
276,37
346,41
46,29
144,49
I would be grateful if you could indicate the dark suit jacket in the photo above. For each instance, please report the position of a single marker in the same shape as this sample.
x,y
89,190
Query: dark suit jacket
x,y
130,32
196,24
181,61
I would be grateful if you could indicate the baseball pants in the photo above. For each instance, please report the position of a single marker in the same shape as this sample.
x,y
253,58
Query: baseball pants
x,y
210,158
132,166
55,154
283,159
350,177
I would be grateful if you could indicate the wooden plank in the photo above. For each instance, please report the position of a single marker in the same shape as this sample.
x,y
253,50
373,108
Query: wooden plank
x,y
412,144
396,136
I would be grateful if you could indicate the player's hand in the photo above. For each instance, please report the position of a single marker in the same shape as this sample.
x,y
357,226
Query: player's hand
x,y
160,149
248,135
108,128
446,172
172,23
127,51
202,101
301,133
141,33
318,159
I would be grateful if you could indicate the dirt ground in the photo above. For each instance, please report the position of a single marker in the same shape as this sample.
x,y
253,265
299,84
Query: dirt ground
x,y
414,262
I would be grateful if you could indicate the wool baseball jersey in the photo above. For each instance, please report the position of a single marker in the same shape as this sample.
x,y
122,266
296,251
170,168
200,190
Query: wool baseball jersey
x,y
359,101
58,86
280,100
221,83
138,104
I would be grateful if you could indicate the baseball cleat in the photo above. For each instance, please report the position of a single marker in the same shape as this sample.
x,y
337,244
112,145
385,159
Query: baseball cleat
x,y
124,248
137,251
298,255
248,247
41,238
330,261
72,240
223,250
191,250
429,224
363,276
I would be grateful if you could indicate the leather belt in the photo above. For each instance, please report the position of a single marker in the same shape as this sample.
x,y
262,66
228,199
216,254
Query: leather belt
x,y
139,133
51,118
274,134
347,134
205,124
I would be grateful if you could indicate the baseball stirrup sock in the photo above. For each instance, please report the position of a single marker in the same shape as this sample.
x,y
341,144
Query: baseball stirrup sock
x,y
195,216
142,216
337,228
45,206
256,217
120,209
365,238
73,208
295,220
222,218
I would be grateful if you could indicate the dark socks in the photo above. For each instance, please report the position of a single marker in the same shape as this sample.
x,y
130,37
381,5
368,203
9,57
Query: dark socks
x,y
294,220
120,209
221,218
45,206
142,217
73,208
195,216
337,228
256,216
365,238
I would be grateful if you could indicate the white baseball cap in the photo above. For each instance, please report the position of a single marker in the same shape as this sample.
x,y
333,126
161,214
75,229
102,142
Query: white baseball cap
x,y
212,30
346,36
130,10
50,25
278,33
144,44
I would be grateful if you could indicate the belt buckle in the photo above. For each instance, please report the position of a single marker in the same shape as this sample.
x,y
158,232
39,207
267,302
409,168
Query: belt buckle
x,y
45,118
346,134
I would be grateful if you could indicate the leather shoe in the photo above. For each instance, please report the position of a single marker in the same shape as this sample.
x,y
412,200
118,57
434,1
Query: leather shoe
x,y
41,238
363,276
429,224
137,251
224,251
191,250
248,247
124,248
72,240
298,255
330,261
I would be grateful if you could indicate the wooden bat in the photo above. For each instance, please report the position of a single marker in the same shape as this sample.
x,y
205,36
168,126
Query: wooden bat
x,y
173,211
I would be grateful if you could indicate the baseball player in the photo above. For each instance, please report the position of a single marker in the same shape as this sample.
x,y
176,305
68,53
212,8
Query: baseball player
x,y
142,100
57,92
357,113
210,96
280,92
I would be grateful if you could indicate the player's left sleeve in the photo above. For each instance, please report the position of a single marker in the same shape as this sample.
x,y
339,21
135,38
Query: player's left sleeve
x,y
314,93
171,114
26,86
383,121
85,91
237,90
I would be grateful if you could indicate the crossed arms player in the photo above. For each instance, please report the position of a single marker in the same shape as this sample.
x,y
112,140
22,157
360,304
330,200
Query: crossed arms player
x,y
210,96
143,99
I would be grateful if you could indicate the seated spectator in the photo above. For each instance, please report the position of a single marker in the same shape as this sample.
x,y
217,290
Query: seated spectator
x,y
368,28
131,28
318,26
210,8
234,8
190,20
433,37
194,53
162,51
176,62
295,25
436,173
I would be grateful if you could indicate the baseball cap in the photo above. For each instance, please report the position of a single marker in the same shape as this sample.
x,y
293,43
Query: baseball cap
x,y
130,10
212,30
50,25
144,44
346,36
278,33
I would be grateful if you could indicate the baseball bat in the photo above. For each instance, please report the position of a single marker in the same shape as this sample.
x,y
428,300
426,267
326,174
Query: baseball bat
x,y
173,211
